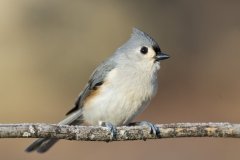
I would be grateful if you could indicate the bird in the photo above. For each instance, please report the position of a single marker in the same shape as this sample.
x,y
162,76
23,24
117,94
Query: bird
x,y
118,90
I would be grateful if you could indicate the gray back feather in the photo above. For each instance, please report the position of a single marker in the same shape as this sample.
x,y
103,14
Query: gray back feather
x,y
96,79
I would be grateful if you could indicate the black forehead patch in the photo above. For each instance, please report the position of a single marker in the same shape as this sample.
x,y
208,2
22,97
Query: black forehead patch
x,y
156,48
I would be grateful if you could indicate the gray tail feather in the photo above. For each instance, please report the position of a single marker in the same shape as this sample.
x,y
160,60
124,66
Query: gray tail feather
x,y
35,144
42,145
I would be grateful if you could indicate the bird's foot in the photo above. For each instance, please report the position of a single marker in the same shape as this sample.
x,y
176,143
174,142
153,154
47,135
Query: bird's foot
x,y
112,128
154,130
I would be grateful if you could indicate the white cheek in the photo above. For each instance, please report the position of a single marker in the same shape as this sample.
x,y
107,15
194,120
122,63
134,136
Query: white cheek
x,y
151,53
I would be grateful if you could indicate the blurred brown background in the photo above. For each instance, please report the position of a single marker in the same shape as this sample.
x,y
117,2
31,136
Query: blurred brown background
x,y
48,49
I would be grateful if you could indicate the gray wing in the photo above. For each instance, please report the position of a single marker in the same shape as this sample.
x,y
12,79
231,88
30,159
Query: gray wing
x,y
96,80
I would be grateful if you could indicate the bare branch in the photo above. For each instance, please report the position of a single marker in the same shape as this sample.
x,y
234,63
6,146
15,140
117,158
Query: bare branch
x,y
94,133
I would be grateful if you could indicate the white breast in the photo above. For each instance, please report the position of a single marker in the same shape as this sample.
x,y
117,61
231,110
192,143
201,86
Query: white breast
x,y
120,98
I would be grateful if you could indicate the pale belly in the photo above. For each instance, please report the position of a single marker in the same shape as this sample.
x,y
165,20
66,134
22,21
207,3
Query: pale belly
x,y
114,108
117,105
119,102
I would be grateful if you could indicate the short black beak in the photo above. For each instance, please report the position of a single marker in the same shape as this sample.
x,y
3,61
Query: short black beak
x,y
161,56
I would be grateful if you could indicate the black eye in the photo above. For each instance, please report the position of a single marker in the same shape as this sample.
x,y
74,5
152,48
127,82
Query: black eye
x,y
144,50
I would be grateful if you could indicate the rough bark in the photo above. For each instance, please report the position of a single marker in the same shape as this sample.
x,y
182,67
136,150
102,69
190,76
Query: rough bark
x,y
124,133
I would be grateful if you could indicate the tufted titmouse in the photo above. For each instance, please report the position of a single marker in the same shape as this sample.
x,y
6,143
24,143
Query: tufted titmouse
x,y
119,89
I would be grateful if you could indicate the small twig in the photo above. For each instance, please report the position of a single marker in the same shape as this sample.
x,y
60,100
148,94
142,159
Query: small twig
x,y
94,133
